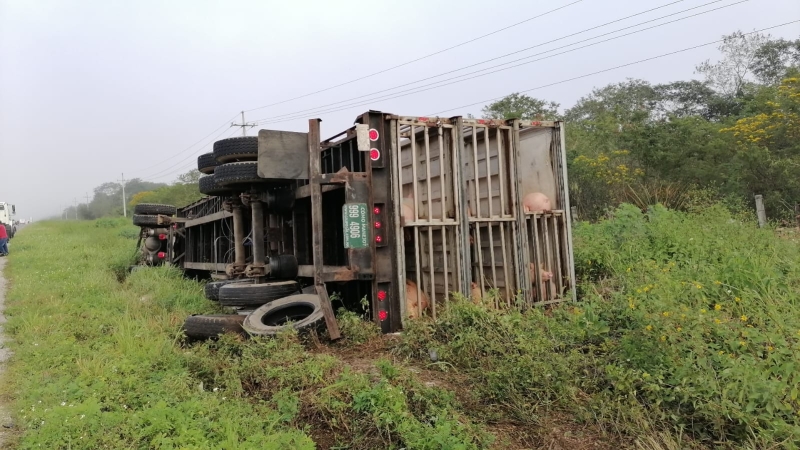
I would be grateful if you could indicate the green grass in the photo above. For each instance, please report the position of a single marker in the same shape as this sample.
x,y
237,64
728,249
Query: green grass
x,y
689,330
687,336
100,363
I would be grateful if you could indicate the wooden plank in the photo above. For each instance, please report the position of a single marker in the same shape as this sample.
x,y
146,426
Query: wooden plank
x,y
762,215
305,191
316,224
209,218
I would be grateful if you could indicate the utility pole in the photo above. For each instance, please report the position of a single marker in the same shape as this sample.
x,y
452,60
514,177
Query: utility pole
x,y
244,125
124,203
75,205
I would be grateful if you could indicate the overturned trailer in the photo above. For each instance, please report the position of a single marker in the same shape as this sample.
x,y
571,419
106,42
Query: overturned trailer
x,y
402,211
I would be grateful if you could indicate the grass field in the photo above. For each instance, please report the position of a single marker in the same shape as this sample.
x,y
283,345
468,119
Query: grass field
x,y
687,336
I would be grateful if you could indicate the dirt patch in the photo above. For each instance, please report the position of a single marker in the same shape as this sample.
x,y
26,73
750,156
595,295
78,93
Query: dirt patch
x,y
6,424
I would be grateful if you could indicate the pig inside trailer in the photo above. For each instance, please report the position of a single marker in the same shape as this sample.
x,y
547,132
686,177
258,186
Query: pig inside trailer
x,y
401,211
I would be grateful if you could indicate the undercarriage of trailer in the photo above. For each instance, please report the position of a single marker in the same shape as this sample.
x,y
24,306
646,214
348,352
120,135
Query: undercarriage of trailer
x,y
403,212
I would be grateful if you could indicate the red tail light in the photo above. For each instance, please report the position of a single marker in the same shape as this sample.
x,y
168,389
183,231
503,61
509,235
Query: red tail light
x,y
381,295
374,154
376,210
378,239
162,236
377,224
162,255
382,315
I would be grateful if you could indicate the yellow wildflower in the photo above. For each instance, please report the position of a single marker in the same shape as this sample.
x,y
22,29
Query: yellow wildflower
x,y
717,307
721,352
717,321
703,311
679,329
648,328
770,348
665,314
743,318
742,343
663,338
737,299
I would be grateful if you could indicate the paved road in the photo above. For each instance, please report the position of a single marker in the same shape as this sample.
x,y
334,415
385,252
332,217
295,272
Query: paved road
x,y
5,353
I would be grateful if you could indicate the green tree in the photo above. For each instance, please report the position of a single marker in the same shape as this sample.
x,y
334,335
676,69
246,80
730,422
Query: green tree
x,y
735,69
520,106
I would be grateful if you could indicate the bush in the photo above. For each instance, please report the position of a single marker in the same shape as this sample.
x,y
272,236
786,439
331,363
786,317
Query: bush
x,y
688,321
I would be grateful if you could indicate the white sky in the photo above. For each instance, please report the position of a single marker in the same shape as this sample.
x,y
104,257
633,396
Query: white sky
x,y
90,89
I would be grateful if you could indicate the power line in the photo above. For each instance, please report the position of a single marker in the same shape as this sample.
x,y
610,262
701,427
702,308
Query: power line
x,y
449,81
609,69
244,125
191,156
172,171
187,148
512,53
417,59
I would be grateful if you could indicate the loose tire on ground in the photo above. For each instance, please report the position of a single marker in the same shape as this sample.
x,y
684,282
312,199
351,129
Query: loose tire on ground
x,y
240,294
154,209
244,148
209,186
303,310
200,326
206,163
237,173
145,221
211,288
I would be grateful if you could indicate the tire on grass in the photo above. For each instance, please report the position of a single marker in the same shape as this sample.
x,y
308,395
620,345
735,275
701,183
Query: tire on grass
x,y
237,173
211,289
199,326
145,221
244,148
154,209
209,186
303,310
206,163
241,294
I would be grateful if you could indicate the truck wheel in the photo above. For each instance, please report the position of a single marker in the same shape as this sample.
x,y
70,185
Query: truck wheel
x,y
237,173
154,209
241,294
145,221
200,326
209,186
304,310
211,288
243,148
206,163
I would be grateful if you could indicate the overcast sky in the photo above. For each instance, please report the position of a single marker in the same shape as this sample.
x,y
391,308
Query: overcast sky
x,y
92,89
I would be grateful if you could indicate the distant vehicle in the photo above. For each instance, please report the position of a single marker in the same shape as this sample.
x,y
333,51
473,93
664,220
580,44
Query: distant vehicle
x,y
6,211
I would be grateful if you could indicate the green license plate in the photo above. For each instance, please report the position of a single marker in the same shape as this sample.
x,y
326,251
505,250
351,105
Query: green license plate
x,y
355,225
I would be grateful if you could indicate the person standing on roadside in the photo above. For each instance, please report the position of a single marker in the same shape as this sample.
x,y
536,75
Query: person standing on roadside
x,y
3,240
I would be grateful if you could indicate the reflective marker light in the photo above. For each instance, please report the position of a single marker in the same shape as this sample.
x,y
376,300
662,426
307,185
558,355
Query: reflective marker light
x,y
377,224
162,255
373,134
376,210
381,295
162,236
374,154
382,315
378,239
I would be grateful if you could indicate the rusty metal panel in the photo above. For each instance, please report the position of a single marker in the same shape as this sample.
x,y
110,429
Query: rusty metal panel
x,y
283,155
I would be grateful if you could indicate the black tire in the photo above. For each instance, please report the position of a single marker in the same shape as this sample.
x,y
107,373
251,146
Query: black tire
x,y
154,209
244,148
145,221
206,163
211,288
305,310
237,173
200,326
241,294
209,186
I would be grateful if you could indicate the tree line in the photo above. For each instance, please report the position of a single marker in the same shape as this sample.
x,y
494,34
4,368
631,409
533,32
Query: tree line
x,y
723,138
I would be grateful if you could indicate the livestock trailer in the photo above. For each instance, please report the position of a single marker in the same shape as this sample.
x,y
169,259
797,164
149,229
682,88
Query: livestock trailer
x,y
403,211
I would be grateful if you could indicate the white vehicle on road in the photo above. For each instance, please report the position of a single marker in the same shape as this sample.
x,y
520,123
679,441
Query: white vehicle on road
x,y
6,211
